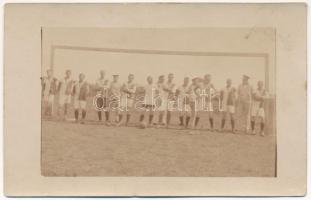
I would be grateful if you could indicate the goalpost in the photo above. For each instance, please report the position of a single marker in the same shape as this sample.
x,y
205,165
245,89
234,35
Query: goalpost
x,y
264,56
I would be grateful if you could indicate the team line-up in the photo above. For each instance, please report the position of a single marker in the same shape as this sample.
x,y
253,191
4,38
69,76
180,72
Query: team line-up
x,y
193,98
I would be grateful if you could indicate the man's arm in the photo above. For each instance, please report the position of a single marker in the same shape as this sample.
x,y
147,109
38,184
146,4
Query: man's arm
x,y
133,90
97,87
43,84
178,91
74,89
166,89
72,83
239,90
56,85
266,94
221,95
213,92
59,86
125,89
173,89
196,91
87,88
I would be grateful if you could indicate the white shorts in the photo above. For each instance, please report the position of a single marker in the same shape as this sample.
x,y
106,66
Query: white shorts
x,y
183,106
203,105
228,108
127,103
79,104
48,98
208,106
257,111
64,99
171,105
162,104
167,105
130,103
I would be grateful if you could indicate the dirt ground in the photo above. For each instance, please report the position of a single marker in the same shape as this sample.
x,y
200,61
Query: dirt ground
x,y
70,149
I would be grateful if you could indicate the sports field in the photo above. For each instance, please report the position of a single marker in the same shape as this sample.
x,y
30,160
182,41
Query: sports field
x,y
70,149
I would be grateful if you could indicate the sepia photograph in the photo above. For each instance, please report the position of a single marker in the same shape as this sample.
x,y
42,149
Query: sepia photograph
x,y
155,99
158,102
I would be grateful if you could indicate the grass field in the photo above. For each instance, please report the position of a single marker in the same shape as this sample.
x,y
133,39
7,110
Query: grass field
x,y
70,149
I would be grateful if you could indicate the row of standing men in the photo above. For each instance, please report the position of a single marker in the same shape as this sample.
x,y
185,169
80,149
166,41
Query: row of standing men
x,y
193,99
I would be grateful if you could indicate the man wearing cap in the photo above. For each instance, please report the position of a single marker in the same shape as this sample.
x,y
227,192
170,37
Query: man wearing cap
x,y
114,98
244,99
80,92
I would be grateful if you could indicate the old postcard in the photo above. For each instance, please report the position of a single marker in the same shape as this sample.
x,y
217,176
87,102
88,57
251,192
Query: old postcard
x,y
118,101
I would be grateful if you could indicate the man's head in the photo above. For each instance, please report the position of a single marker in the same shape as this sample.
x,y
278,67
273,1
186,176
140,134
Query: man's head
x,y
149,79
200,82
49,73
207,78
102,73
260,84
161,79
68,73
245,79
229,82
81,77
186,80
130,77
196,81
115,78
170,77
